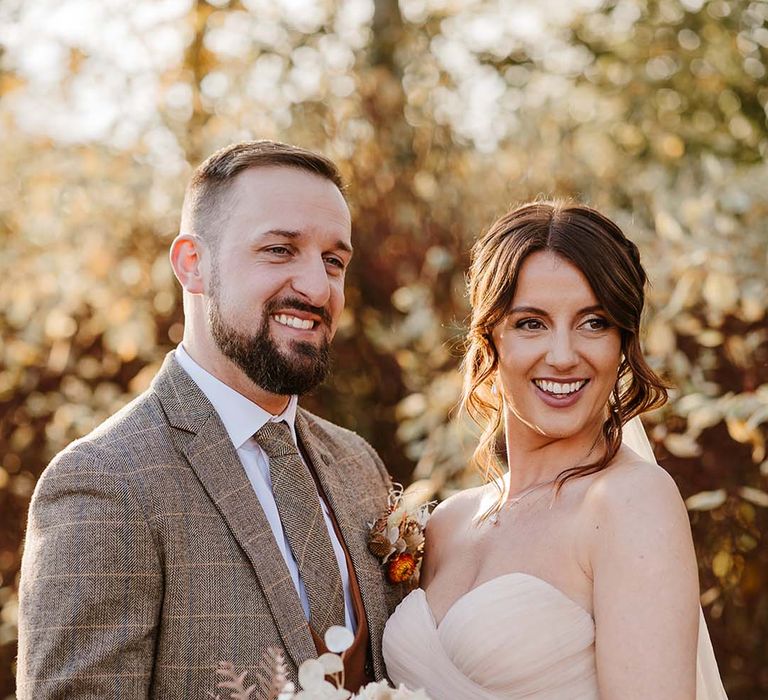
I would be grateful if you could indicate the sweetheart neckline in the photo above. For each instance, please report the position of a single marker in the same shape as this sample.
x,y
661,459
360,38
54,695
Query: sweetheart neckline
x,y
495,579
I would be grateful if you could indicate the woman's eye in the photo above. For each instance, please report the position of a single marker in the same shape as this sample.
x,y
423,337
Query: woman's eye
x,y
596,324
530,324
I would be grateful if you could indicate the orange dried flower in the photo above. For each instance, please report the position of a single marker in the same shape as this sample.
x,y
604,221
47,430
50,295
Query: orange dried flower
x,y
397,538
401,567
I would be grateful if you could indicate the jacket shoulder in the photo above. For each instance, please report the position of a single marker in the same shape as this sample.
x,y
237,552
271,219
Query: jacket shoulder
x,y
342,441
122,440
330,432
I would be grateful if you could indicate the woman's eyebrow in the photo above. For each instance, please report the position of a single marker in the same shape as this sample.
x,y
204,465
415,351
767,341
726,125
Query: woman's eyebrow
x,y
528,310
541,312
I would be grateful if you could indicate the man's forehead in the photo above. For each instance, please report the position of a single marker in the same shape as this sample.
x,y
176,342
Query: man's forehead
x,y
288,183
302,211
283,178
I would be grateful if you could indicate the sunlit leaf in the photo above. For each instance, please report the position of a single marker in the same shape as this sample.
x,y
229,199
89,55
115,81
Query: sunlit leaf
x,y
441,117
682,445
660,338
722,563
706,500
721,291
753,495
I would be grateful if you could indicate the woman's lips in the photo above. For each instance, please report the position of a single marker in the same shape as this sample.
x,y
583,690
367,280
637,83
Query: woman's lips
x,y
560,400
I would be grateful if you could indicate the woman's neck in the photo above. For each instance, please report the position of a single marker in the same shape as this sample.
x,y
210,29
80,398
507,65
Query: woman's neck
x,y
533,458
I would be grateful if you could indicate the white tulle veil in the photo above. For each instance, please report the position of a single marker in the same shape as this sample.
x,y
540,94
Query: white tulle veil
x,y
708,683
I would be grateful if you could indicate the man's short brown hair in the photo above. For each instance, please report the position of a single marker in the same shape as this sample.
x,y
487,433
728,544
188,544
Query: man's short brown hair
x,y
209,188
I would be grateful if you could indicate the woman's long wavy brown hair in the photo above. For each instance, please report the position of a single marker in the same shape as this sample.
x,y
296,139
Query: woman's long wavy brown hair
x,y
611,264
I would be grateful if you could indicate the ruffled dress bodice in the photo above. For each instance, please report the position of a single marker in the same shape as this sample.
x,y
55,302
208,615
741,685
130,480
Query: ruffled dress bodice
x,y
515,636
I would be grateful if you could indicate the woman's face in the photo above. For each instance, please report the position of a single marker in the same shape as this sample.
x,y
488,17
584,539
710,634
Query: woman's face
x,y
558,354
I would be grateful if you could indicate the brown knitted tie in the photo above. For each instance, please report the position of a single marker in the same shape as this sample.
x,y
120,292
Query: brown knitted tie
x,y
300,511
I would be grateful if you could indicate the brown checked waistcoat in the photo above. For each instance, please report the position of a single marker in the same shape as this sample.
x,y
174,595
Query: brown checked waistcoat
x,y
148,559
358,668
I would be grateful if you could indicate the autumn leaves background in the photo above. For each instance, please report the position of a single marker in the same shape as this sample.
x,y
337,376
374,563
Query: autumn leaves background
x,y
441,114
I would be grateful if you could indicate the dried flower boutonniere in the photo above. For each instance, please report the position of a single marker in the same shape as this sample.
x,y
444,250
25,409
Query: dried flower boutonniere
x,y
397,538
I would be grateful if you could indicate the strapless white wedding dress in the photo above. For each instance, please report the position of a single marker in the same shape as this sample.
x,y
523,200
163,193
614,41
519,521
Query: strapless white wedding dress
x,y
515,636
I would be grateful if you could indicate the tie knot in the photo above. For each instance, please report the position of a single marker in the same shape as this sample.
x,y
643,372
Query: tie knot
x,y
276,439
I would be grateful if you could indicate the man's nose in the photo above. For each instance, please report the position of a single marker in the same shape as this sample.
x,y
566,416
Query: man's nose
x,y
311,282
562,353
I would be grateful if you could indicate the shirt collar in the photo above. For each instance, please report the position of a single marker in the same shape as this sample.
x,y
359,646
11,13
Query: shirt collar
x,y
241,416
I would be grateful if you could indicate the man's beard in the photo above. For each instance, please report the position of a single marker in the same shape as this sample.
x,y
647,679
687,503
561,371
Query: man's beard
x,y
297,371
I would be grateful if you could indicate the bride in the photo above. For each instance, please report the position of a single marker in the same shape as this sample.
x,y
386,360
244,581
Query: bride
x,y
571,574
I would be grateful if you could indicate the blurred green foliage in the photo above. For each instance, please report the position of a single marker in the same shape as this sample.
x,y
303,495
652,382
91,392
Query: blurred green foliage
x,y
442,115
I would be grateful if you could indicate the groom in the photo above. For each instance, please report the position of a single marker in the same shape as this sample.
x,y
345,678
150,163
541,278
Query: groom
x,y
212,518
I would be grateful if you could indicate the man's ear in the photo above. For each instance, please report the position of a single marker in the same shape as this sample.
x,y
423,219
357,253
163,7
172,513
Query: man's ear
x,y
186,255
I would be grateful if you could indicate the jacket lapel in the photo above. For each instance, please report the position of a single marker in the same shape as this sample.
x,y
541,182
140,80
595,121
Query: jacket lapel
x,y
354,528
213,458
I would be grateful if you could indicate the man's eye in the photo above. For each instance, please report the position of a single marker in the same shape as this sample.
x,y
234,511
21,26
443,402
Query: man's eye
x,y
530,324
278,250
335,262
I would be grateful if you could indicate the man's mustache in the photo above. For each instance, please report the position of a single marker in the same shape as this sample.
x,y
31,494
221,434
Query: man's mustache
x,y
298,305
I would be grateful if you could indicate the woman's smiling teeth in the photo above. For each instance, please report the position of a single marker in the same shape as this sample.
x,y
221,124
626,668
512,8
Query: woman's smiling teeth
x,y
294,322
558,388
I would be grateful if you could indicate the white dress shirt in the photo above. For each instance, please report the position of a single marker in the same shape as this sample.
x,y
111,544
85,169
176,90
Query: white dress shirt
x,y
242,418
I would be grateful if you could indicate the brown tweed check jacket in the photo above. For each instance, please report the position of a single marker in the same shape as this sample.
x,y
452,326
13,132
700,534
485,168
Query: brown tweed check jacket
x,y
148,558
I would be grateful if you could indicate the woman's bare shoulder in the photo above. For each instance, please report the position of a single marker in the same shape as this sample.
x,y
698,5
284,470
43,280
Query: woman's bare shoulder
x,y
640,557
635,497
447,529
631,479
458,508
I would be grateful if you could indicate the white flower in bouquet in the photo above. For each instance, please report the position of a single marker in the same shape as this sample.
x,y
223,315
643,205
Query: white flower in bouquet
x,y
313,677
338,639
383,691
313,674
375,691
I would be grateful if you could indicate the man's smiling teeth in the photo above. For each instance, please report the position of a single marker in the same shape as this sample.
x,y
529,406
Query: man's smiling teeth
x,y
294,322
558,388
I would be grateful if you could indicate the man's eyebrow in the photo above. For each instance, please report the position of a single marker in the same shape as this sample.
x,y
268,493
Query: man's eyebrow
x,y
293,235
541,312
341,245
283,233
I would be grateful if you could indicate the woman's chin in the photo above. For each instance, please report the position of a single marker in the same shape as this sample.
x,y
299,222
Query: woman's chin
x,y
564,429
559,434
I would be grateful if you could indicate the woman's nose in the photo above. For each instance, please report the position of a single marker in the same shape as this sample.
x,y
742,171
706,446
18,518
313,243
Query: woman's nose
x,y
562,352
